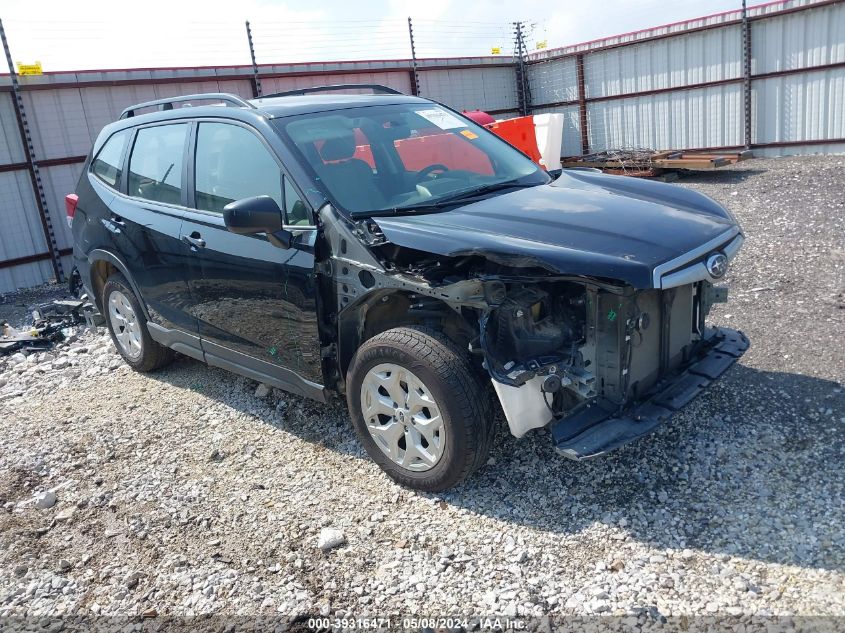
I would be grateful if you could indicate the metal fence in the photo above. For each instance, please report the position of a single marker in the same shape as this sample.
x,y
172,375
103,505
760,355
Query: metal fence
x,y
773,79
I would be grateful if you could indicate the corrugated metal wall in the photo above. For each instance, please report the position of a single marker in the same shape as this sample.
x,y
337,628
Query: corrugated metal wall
x,y
791,108
680,61
489,89
21,234
677,86
11,150
681,86
704,117
800,40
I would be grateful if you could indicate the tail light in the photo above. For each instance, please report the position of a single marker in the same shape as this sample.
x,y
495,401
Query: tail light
x,y
71,200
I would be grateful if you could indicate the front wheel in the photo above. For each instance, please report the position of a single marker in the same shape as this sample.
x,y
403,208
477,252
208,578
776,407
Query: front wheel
x,y
418,409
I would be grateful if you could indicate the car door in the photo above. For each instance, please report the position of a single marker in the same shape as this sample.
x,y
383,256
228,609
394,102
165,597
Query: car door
x,y
255,303
147,219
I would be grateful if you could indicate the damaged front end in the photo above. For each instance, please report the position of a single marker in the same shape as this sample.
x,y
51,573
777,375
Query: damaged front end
x,y
602,365
600,361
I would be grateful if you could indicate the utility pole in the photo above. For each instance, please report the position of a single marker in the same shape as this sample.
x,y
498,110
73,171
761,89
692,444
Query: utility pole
x,y
415,75
746,73
32,165
582,104
256,80
523,90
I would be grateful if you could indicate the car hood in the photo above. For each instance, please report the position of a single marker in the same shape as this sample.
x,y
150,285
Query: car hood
x,y
584,224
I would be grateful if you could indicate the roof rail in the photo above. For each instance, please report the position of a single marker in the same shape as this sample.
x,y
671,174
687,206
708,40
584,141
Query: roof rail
x,y
167,104
376,88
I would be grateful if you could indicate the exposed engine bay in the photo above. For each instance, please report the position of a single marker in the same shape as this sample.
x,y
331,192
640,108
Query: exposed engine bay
x,y
578,344
564,350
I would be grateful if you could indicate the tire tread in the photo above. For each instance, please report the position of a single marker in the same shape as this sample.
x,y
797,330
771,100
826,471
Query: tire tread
x,y
451,364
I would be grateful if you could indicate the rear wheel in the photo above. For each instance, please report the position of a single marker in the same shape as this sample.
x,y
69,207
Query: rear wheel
x,y
418,409
128,327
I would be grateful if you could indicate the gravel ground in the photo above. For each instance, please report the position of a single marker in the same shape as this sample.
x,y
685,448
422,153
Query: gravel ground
x,y
184,492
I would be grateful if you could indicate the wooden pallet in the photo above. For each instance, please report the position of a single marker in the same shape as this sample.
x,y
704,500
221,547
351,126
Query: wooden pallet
x,y
658,162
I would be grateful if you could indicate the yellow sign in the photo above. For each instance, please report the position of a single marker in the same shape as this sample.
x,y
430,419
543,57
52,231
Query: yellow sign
x,y
29,69
469,135
542,44
496,50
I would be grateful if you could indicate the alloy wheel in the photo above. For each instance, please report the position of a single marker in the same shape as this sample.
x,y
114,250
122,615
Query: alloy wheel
x,y
402,417
124,322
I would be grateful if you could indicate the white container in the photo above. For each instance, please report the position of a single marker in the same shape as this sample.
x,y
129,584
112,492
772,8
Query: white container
x,y
548,128
524,406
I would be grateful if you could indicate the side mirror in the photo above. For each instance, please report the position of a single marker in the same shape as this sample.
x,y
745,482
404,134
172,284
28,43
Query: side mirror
x,y
259,214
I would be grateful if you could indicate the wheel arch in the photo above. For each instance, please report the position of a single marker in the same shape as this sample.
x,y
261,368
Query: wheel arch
x,y
387,308
105,263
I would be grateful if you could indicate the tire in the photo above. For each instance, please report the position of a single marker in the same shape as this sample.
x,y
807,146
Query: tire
x,y
128,327
439,373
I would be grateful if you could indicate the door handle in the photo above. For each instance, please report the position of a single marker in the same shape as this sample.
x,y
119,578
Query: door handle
x,y
111,226
194,240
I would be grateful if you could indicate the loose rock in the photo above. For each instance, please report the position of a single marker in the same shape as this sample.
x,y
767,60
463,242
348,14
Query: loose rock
x,y
45,500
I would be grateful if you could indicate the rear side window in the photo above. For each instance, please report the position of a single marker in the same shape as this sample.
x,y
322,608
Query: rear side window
x,y
231,164
109,162
155,167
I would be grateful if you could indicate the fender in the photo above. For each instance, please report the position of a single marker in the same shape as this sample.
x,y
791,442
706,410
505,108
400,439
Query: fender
x,y
99,254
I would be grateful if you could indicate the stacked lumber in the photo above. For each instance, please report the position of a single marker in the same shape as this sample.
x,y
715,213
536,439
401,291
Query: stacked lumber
x,y
647,163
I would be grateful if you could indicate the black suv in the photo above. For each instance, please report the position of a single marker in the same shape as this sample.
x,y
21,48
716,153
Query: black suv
x,y
385,247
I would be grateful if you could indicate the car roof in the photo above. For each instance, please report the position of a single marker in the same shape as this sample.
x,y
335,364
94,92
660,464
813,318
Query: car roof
x,y
269,107
304,104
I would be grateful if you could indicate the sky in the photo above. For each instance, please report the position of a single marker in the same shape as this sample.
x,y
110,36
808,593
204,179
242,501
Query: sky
x,y
86,34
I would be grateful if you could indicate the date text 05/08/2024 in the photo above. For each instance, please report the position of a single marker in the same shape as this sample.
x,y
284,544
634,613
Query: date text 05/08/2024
x,y
376,623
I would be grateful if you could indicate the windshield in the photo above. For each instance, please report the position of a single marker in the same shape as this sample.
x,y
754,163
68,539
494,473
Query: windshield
x,y
398,157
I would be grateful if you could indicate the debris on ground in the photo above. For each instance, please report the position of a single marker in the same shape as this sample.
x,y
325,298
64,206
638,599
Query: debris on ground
x,y
45,500
646,163
51,322
330,538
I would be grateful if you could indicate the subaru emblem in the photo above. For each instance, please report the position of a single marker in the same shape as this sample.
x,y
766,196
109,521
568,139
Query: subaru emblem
x,y
717,265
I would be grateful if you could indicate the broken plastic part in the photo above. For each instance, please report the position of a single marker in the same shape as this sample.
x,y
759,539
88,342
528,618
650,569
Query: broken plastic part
x,y
524,407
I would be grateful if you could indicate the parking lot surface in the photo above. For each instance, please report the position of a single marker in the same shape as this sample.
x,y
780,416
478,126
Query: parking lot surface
x,y
183,492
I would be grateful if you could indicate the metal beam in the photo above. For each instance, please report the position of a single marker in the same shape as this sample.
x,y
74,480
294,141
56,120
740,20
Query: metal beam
x,y
415,73
582,105
29,259
256,80
746,74
34,173
523,90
